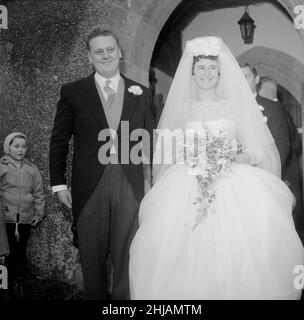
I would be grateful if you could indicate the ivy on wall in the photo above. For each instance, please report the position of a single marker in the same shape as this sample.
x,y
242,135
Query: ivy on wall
x,y
42,49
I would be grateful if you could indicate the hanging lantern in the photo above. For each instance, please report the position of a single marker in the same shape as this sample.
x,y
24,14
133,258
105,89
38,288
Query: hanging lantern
x,y
247,27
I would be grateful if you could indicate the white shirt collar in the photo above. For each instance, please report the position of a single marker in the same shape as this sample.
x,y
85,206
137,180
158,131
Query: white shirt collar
x,y
101,81
272,99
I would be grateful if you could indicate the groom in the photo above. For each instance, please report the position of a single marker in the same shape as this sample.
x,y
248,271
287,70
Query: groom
x,y
105,197
274,115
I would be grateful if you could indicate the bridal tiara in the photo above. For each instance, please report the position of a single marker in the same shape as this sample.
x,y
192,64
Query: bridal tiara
x,y
208,46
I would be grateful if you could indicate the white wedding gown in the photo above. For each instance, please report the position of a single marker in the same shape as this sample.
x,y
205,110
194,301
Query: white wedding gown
x,y
246,249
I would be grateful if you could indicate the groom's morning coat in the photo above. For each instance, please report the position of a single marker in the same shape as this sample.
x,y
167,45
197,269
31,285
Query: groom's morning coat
x,y
80,113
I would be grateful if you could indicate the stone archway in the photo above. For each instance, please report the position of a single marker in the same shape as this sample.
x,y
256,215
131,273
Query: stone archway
x,y
142,25
143,22
285,69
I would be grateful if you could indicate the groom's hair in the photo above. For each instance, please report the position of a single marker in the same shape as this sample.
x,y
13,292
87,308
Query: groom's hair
x,y
250,67
100,31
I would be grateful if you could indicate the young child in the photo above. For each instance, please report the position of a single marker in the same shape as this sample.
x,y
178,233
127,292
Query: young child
x,y
22,200
4,248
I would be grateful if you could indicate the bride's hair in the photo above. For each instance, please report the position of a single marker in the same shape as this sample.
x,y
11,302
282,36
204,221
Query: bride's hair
x,y
202,56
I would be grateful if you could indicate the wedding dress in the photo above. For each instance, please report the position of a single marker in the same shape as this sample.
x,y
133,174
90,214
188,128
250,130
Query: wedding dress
x,y
247,248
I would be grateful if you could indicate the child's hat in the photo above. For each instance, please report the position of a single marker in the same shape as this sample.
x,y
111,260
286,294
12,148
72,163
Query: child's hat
x,y
9,138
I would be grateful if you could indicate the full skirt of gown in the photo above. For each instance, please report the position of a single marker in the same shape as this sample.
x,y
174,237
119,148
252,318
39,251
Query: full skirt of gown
x,y
247,248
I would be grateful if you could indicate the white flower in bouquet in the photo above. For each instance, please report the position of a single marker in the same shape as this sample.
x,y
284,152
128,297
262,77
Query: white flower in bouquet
x,y
219,154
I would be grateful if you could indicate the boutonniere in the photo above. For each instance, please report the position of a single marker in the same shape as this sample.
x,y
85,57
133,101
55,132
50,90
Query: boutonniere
x,y
136,90
265,119
261,108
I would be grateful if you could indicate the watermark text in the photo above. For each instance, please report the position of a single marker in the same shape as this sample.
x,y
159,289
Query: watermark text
x,y
299,19
3,277
298,282
3,17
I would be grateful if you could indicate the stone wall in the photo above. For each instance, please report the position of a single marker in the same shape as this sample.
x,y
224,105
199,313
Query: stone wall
x,y
42,49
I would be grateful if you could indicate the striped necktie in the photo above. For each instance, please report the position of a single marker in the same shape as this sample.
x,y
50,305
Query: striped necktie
x,y
110,92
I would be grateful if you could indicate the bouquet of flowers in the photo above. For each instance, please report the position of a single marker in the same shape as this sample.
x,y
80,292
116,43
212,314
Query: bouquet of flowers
x,y
209,157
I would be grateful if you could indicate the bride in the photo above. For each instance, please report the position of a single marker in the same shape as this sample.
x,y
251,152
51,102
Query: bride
x,y
221,232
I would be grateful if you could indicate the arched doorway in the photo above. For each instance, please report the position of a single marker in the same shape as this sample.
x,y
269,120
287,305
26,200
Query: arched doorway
x,y
151,18
146,19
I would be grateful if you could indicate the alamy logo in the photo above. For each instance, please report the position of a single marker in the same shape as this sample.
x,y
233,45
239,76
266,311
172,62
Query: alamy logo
x,y
3,17
175,146
299,19
298,282
3,277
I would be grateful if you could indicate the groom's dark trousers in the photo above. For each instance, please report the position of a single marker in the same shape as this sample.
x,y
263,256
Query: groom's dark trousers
x,y
111,204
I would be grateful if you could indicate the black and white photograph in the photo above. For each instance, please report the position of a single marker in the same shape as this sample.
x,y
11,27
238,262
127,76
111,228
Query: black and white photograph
x,y
151,150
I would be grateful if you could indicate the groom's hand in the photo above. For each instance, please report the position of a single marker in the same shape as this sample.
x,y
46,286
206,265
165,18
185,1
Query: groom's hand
x,y
147,186
147,177
65,197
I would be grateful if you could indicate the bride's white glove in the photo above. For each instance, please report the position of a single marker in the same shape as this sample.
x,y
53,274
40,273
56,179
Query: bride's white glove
x,y
243,158
251,155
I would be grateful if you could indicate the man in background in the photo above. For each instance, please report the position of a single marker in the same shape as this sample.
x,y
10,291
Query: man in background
x,y
290,170
273,113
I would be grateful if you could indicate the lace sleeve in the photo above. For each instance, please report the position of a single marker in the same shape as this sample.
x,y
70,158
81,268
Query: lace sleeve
x,y
254,135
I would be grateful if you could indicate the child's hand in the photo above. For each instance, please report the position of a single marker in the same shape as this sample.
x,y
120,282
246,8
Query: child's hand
x,y
35,222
